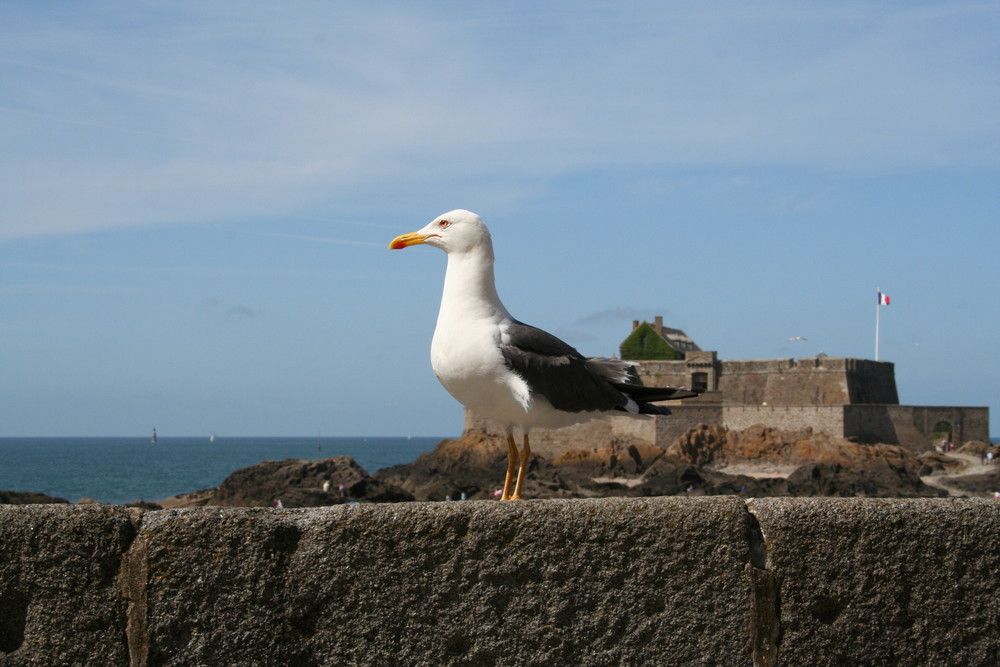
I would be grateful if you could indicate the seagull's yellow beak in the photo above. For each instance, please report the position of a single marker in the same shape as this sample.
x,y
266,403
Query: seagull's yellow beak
x,y
413,238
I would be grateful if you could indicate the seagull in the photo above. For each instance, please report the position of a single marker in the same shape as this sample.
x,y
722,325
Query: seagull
x,y
796,338
509,371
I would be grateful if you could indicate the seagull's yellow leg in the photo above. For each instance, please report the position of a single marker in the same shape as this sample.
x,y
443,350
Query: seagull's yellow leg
x,y
525,455
511,464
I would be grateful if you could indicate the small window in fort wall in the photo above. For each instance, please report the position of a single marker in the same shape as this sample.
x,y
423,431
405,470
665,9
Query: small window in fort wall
x,y
699,381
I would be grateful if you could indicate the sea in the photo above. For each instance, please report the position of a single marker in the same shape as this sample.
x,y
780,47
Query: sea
x,y
124,470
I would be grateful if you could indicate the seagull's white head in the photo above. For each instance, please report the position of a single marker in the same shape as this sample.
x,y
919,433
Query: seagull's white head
x,y
456,231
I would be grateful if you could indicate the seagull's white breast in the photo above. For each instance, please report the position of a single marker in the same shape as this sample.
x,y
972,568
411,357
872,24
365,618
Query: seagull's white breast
x,y
466,358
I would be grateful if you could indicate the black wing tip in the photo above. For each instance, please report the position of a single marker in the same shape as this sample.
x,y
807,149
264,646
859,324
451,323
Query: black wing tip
x,y
642,393
646,409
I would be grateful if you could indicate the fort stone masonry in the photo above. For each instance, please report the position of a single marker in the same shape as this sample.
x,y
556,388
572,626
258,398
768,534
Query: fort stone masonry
x,y
842,397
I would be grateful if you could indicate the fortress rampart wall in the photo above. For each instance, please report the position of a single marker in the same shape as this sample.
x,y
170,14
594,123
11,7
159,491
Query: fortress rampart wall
x,y
823,419
907,425
810,381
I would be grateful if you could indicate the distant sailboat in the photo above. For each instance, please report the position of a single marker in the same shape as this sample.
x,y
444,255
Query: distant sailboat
x,y
153,439
211,438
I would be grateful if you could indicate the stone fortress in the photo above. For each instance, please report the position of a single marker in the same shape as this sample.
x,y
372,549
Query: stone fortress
x,y
848,398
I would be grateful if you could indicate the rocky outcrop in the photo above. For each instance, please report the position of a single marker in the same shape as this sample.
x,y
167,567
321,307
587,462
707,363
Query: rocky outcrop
x,y
974,484
708,460
296,483
932,463
814,464
718,447
27,498
977,447
474,465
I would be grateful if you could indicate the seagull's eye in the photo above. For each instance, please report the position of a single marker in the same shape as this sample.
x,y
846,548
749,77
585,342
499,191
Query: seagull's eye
x,y
443,224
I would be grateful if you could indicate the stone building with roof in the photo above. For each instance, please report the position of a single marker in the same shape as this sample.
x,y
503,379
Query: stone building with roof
x,y
851,398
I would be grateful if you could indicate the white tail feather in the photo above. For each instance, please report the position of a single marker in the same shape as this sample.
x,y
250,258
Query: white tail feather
x,y
613,370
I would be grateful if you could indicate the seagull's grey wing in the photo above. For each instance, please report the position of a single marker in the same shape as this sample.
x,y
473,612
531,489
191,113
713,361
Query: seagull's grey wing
x,y
557,371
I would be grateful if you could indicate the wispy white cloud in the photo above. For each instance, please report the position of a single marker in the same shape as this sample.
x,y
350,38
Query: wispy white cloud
x,y
159,113
320,239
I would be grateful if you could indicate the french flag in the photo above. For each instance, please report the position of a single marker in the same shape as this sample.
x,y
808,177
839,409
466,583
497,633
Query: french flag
x,y
883,299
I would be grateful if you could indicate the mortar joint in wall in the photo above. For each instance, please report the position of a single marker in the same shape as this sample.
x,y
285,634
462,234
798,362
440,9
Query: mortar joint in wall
x,y
765,603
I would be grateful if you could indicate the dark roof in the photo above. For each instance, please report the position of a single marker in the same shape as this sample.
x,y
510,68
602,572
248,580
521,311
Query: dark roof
x,y
678,340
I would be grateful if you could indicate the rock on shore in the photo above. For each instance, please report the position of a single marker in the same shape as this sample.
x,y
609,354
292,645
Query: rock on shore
x,y
28,498
708,460
296,483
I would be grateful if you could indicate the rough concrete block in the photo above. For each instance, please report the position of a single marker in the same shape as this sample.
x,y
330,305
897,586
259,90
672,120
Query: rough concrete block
x,y
581,582
60,599
884,581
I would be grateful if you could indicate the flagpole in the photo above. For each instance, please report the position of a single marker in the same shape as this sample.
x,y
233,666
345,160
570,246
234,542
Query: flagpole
x,y
878,313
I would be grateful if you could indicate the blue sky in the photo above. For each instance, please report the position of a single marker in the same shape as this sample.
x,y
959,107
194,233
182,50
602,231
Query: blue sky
x,y
196,198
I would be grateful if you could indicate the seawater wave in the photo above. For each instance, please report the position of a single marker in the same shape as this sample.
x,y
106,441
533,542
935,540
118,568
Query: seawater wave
x,y
123,470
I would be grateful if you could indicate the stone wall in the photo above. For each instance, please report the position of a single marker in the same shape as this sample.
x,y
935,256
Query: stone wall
x,y
658,431
966,423
664,373
877,423
907,425
871,382
809,381
682,419
670,580
822,419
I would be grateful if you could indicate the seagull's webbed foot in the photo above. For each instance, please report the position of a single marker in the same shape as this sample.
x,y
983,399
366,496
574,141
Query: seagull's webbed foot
x,y
525,455
511,465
